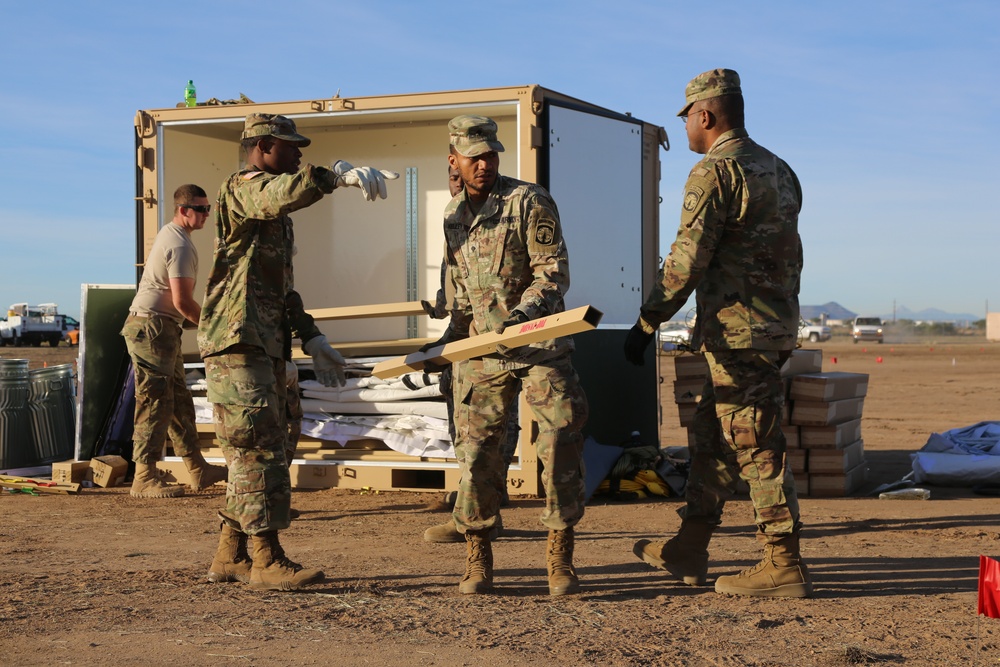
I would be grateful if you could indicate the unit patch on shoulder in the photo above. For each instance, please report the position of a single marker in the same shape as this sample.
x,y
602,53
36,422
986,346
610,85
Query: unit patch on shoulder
x,y
545,232
692,196
250,174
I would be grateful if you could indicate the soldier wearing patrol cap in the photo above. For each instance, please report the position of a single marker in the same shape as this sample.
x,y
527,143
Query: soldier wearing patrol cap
x,y
248,314
739,245
506,255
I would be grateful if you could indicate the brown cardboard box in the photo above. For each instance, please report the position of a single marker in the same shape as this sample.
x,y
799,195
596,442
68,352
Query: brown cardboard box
x,y
835,436
828,386
70,472
817,413
801,485
832,485
109,470
690,366
685,413
688,390
803,361
837,460
797,461
791,435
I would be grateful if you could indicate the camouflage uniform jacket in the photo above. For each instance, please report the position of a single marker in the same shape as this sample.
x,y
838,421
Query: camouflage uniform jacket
x,y
511,255
252,261
739,245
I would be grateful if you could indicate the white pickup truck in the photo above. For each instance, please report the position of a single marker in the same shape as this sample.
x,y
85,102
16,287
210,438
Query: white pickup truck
x,y
33,325
814,333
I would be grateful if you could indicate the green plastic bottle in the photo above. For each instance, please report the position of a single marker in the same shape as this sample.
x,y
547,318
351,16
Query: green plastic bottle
x,y
190,96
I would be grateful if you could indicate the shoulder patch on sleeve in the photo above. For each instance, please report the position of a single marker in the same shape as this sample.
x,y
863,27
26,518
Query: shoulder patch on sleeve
x,y
696,192
250,174
545,232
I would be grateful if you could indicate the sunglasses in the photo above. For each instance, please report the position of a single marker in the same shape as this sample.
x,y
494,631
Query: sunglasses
x,y
199,209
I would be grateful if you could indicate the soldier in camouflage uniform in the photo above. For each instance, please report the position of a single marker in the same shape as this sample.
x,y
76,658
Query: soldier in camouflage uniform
x,y
163,303
739,245
448,531
245,321
506,255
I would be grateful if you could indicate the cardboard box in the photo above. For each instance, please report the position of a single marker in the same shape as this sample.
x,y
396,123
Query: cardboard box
x,y
817,413
688,390
834,436
836,460
690,366
803,361
685,412
797,461
109,470
828,386
802,485
791,436
70,472
823,485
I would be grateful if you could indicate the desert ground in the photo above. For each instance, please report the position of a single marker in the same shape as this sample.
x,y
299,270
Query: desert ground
x,y
100,578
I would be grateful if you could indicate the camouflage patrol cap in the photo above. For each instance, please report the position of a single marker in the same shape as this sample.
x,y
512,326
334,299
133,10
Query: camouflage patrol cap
x,y
272,125
713,83
474,135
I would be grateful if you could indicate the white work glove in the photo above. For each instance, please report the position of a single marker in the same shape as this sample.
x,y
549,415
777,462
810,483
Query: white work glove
x,y
327,362
369,179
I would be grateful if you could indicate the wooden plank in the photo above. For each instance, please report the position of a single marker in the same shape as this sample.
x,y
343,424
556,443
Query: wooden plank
x,y
398,309
38,485
566,323
364,348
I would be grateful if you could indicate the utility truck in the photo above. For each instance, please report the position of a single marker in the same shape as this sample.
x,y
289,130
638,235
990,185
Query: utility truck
x,y
33,325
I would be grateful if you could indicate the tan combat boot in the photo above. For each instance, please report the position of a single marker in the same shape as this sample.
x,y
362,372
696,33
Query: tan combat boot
x,y
559,563
685,555
272,571
147,484
448,532
478,576
781,574
203,474
231,562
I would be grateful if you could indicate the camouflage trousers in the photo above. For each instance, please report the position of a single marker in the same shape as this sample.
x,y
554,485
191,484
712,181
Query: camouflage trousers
x,y
293,410
737,434
482,403
513,427
247,390
163,405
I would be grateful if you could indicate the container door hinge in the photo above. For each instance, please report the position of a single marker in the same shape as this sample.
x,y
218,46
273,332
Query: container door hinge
x,y
145,125
144,158
148,199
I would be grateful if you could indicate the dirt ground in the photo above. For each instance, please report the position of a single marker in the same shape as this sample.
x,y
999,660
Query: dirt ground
x,y
102,579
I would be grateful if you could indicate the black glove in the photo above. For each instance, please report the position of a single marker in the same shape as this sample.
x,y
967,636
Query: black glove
x,y
430,366
636,343
516,317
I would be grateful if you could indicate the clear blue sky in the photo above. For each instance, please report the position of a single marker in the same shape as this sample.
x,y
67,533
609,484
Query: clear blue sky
x,y
888,112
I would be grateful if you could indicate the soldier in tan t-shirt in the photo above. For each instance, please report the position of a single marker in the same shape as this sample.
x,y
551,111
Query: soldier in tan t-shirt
x,y
163,303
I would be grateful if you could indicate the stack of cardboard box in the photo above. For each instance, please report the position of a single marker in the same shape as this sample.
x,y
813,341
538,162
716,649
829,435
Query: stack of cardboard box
x,y
821,422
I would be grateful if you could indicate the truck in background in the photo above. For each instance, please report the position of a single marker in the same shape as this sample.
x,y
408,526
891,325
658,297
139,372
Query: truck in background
x,y
814,333
34,325
867,328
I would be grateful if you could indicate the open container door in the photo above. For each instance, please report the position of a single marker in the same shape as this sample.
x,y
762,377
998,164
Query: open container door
x,y
603,171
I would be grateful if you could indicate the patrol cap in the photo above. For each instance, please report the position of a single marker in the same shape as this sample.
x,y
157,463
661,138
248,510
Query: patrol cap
x,y
713,83
272,125
473,135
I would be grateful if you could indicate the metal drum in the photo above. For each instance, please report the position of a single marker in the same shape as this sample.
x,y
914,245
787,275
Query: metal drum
x,y
15,421
52,407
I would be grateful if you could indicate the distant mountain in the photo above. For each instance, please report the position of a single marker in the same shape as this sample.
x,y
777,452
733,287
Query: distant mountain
x,y
833,311
931,315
